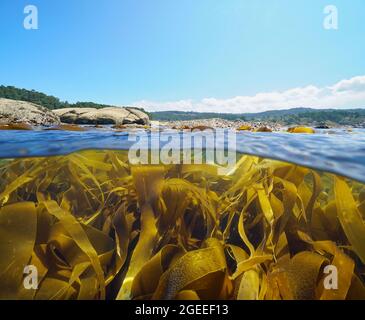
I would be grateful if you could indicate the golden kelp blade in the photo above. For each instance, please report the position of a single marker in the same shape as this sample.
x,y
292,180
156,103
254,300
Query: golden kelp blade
x,y
148,183
249,287
18,223
296,278
350,217
78,234
96,227
146,281
199,270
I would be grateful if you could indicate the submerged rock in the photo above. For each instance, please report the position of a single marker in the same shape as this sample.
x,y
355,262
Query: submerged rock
x,y
129,126
263,129
67,127
14,111
16,126
110,115
201,128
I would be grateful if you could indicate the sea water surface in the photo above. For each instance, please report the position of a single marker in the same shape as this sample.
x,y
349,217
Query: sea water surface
x,y
340,151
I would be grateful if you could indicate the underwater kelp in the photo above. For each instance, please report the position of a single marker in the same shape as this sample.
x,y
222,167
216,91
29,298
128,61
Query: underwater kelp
x,y
96,227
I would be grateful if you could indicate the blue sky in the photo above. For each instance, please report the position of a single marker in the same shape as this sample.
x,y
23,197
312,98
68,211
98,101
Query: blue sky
x,y
207,55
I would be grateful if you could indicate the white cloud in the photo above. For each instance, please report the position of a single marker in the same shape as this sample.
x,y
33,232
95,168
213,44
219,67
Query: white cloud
x,y
348,93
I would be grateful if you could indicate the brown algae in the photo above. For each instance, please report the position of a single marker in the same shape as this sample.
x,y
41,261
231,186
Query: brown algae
x,y
96,227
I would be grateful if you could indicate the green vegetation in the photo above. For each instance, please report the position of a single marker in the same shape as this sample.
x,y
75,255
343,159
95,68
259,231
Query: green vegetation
x,y
354,117
44,100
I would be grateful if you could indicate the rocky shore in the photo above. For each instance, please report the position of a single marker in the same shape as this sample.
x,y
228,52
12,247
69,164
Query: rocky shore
x,y
20,115
29,114
13,111
220,123
105,116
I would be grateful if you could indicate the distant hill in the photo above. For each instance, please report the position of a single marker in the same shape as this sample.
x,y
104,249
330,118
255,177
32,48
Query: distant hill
x,y
182,115
355,117
278,113
307,116
352,117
